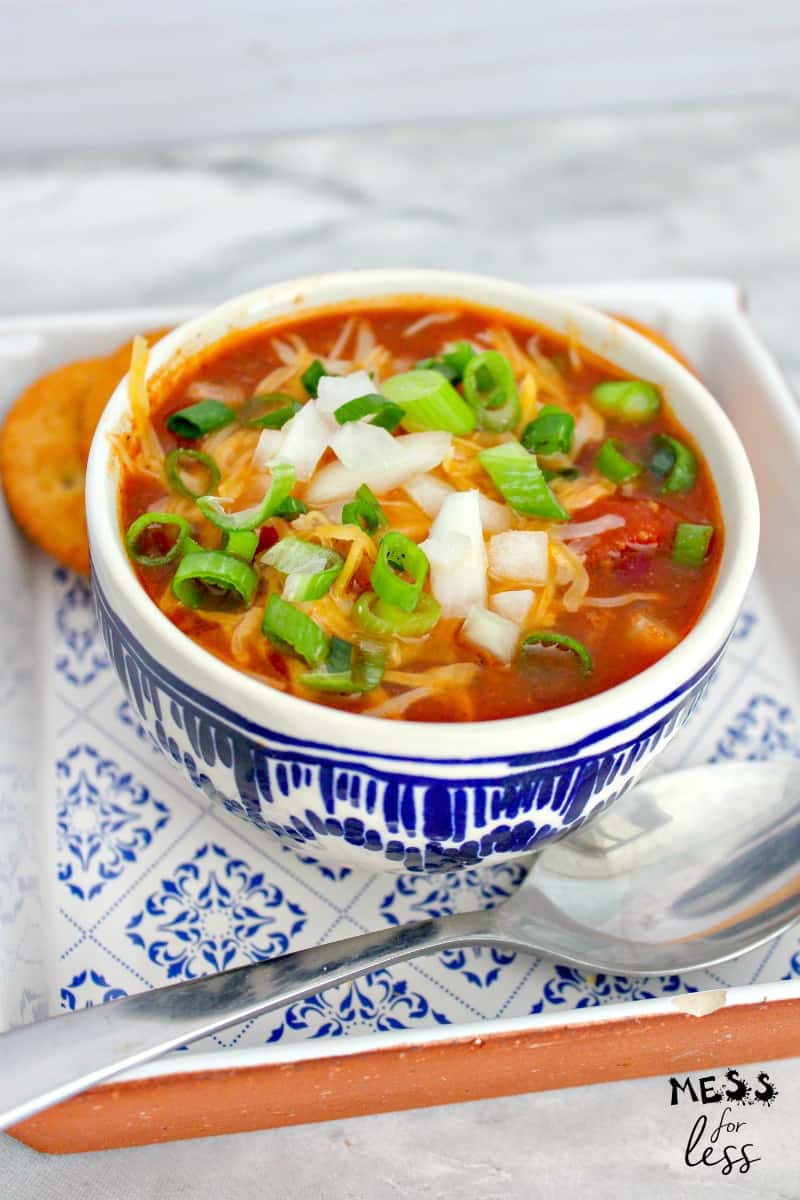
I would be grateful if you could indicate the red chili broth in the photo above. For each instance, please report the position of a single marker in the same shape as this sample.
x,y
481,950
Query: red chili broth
x,y
540,680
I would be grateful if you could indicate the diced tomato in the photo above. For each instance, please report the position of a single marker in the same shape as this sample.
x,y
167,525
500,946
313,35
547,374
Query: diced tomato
x,y
267,537
648,527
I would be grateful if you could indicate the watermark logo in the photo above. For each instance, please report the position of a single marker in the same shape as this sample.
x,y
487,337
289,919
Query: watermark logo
x,y
721,1140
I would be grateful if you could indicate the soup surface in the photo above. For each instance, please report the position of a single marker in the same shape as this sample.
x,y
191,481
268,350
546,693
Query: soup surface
x,y
428,511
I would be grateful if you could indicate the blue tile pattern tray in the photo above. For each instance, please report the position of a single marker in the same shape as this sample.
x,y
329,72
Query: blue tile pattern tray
x,y
115,878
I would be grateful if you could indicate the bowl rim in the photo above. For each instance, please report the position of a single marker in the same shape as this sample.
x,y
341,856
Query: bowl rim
x,y
435,741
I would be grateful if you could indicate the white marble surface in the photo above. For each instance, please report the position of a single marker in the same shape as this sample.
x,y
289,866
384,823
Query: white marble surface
x,y
123,73
706,191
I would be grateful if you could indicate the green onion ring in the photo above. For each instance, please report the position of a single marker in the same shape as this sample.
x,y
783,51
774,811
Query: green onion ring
x,y
398,553
281,484
547,637
550,432
241,543
364,511
286,625
172,468
215,569
348,670
276,409
518,477
633,400
312,375
682,475
612,463
199,419
429,401
491,390
691,542
386,414
145,521
384,620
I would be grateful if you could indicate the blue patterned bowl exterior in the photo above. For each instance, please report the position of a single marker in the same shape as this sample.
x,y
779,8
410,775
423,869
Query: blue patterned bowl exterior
x,y
405,796
387,811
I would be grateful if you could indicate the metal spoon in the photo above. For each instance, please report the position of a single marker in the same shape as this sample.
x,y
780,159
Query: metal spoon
x,y
686,870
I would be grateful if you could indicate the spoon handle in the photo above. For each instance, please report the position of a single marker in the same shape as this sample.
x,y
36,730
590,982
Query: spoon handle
x,y
48,1061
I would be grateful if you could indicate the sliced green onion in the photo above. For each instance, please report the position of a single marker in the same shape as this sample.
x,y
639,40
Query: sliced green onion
x,y
547,637
286,625
452,362
242,543
212,579
309,569
662,461
691,543
269,411
561,473
519,478
429,401
290,508
397,553
283,480
311,377
627,399
199,419
147,521
348,669
681,473
550,432
491,390
364,511
179,459
612,463
387,415
384,620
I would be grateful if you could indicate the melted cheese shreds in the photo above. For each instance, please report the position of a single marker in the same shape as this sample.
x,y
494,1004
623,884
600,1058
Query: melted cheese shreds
x,y
139,400
570,570
434,318
576,494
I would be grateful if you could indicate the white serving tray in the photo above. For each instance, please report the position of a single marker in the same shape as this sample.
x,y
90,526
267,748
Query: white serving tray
x,y
115,878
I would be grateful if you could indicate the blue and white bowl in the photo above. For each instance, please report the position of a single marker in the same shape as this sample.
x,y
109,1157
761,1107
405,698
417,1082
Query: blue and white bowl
x,y
406,795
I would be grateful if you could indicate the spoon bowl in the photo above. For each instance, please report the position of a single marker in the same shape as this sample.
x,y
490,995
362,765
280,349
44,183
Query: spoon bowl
x,y
686,870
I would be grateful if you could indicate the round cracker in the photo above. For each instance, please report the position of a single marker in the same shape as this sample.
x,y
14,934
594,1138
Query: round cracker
x,y
115,366
43,464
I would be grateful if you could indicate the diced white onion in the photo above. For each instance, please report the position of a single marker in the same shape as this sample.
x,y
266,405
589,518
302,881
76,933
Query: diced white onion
x,y
491,632
366,446
519,554
268,446
495,518
335,390
428,492
586,529
334,482
369,454
514,605
304,440
457,554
